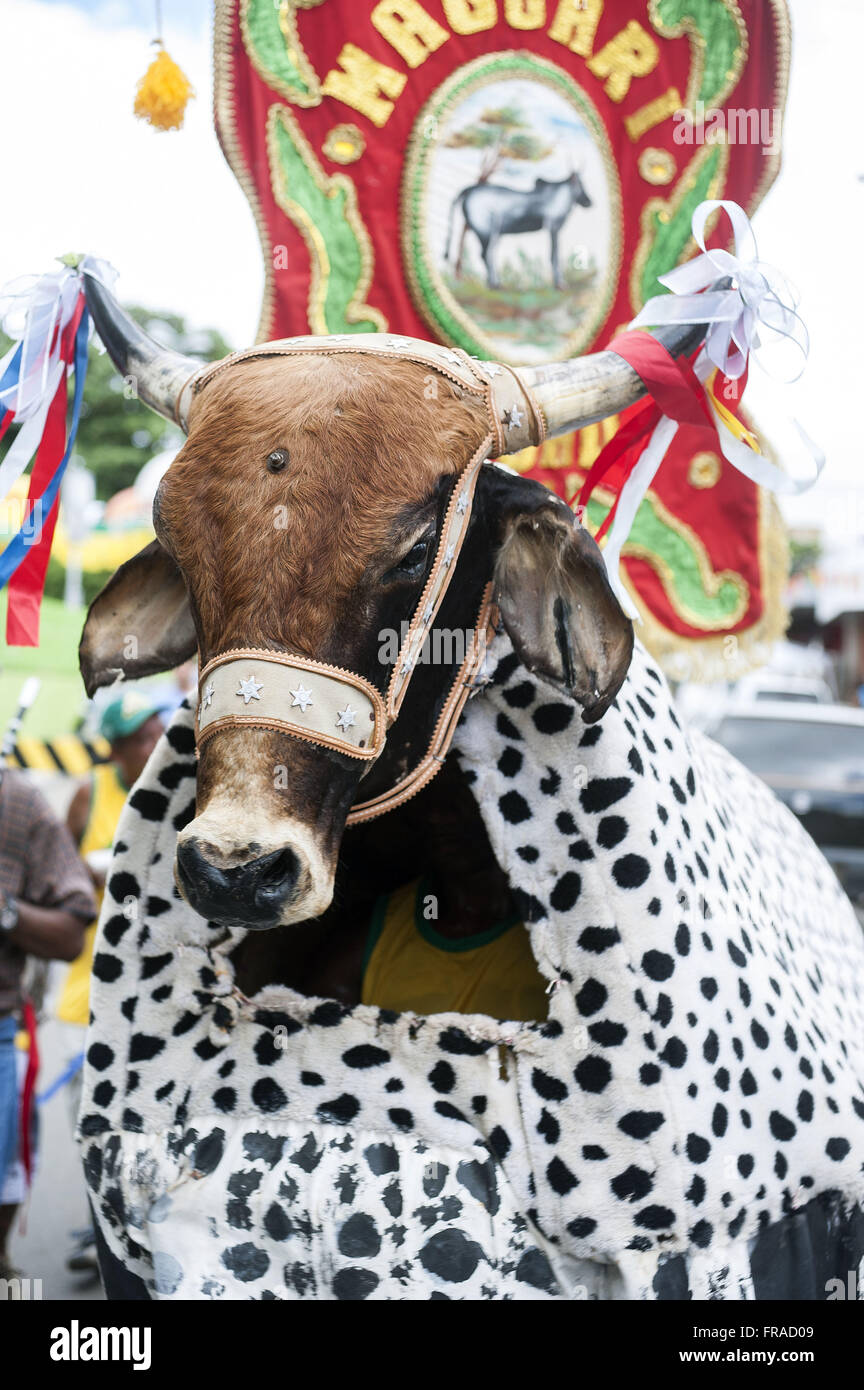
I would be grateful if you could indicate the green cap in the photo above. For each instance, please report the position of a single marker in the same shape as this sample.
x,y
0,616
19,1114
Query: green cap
x,y
122,717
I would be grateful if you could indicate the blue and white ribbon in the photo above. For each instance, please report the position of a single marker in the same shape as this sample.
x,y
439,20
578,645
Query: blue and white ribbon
x,y
36,312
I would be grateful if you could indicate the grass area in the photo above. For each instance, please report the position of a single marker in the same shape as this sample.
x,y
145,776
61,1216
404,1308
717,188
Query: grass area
x,y
524,311
55,661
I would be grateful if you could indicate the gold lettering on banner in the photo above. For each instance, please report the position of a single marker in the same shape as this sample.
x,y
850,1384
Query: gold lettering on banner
x,y
557,453
653,113
409,29
589,446
361,83
470,16
632,53
525,14
575,25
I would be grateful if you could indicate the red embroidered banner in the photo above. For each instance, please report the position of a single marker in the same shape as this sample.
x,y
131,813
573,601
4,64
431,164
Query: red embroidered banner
x,y
511,176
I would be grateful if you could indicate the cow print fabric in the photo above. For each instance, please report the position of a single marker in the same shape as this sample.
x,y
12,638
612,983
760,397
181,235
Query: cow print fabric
x,y
697,1079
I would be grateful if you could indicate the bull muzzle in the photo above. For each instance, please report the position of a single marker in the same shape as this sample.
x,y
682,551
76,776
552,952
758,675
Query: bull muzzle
x,y
275,875
254,895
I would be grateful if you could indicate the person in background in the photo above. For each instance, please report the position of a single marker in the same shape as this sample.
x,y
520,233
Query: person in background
x,y
46,899
132,727
15,1186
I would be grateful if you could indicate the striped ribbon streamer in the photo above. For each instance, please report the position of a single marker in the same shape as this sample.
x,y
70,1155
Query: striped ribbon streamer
x,y
48,318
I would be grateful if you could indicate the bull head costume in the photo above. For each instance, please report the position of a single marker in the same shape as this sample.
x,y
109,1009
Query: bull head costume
x,y
373,450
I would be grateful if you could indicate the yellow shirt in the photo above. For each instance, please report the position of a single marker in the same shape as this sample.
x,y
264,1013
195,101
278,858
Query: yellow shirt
x,y
409,966
107,798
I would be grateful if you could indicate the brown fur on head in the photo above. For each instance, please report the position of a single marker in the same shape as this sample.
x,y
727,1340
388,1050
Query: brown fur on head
x,y
293,561
366,440
309,554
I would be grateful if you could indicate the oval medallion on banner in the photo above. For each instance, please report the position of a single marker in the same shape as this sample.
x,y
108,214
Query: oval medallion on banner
x,y
511,211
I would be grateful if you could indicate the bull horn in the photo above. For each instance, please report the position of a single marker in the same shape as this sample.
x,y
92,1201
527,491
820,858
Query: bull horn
x,y
580,391
160,376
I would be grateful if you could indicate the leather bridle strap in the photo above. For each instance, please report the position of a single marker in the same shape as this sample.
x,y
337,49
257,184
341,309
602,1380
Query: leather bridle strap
x,y
468,681
334,708
453,532
254,688
249,687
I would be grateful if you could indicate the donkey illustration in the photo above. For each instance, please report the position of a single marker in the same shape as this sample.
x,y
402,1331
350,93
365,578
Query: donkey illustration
x,y
492,210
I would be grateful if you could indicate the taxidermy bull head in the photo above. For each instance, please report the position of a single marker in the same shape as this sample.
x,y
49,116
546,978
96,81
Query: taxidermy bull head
x,y
328,492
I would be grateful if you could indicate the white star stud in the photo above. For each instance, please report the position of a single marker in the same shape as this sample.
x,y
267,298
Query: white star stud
x,y
450,356
448,556
346,717
512,416
462,504
209,692
301,697
427,612
250,689
490,368
407,663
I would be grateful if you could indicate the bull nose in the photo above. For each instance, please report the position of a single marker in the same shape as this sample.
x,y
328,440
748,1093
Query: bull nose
x,y
251,894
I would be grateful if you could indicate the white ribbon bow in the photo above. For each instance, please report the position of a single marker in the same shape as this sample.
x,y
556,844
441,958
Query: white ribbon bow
x,y
34,311
758,299
760,296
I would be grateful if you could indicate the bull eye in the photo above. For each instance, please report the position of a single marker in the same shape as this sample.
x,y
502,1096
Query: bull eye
x,y
277,460
413,562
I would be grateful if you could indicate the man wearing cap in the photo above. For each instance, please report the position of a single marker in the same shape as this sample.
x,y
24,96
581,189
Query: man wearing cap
x,y
45,900
132,727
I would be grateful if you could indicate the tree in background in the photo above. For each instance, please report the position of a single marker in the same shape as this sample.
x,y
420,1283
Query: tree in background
x,y
502,133
805,552
118,433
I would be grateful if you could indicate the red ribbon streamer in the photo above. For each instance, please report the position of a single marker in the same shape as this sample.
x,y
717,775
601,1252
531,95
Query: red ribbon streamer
x,y
674,390
29,1091
26,585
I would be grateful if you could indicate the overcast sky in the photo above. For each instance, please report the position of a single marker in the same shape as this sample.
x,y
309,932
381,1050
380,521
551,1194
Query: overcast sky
x,y
80,173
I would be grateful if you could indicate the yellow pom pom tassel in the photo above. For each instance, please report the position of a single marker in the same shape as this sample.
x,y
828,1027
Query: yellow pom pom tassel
x,y
163,93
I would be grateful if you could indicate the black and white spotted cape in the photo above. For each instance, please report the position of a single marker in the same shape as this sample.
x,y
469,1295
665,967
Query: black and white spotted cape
x,y
688,1122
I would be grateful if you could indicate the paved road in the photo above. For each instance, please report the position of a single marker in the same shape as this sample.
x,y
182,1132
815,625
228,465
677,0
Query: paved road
x,y
58,1204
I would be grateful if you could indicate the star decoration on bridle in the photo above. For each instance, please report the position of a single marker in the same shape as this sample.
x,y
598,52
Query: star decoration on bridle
x,y
449,556
250,689
490,368
512,416
301,698
462,504
346,718
209,692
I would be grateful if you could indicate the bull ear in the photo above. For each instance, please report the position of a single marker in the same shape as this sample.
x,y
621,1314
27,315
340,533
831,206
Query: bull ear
x,y
139,624
552,589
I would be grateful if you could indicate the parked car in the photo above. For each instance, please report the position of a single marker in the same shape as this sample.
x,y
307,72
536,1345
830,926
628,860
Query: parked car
x,y
772,685
812,756
703,705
